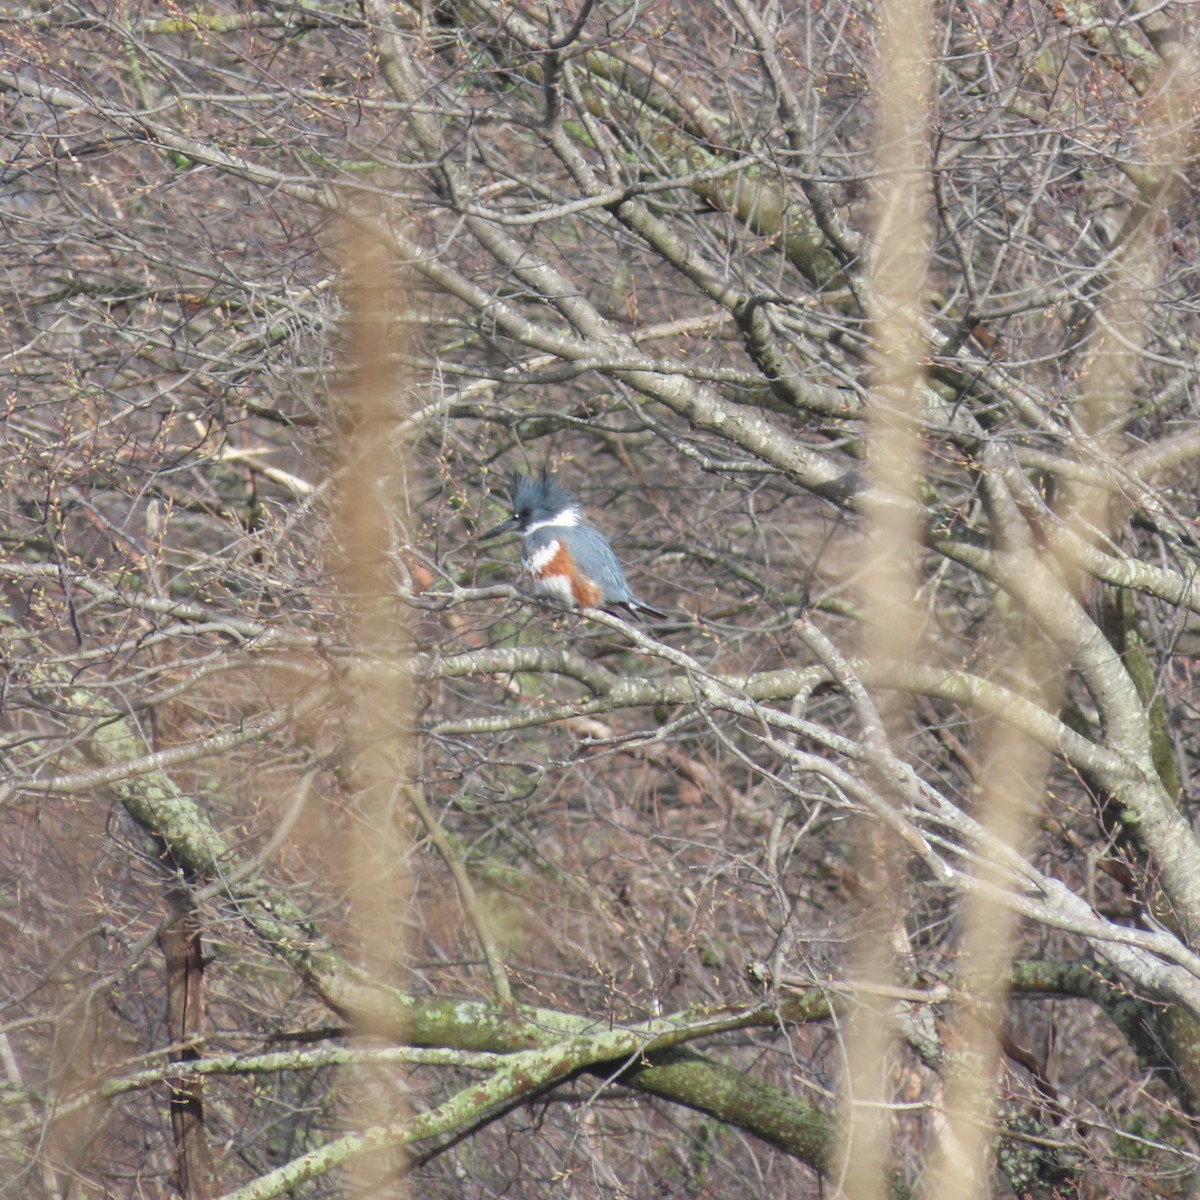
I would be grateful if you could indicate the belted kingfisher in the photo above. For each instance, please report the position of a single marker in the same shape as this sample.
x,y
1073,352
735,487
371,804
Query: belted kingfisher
x,y
568,561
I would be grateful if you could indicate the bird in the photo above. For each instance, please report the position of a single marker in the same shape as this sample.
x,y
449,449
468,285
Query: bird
x,y
568,561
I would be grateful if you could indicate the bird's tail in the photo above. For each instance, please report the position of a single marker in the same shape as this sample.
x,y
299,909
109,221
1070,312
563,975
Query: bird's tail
x,y
636,607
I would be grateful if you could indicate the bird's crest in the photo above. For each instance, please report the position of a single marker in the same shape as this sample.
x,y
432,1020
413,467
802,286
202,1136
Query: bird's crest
x,y
543,493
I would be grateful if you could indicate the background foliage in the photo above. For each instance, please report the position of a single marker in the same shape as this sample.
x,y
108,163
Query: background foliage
x,y
634,243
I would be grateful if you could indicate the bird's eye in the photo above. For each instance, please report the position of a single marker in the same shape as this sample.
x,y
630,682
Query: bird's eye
x,y
522,514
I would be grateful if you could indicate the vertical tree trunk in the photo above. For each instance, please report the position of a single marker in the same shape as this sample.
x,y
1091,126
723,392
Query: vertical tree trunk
x,y
185,1019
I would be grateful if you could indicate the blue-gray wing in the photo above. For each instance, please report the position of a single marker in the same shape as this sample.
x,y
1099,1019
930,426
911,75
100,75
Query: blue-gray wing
x,y
603,568
595,559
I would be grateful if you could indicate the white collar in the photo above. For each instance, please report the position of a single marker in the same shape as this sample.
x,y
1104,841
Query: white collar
x,y
569,517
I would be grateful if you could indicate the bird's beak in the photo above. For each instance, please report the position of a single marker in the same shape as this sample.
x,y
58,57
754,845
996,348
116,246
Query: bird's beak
x,y
503,527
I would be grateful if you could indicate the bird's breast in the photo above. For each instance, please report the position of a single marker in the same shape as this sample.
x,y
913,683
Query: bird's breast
x,y
555,574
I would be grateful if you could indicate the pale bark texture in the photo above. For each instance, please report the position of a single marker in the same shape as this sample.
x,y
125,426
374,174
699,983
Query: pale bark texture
x,y
335,864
